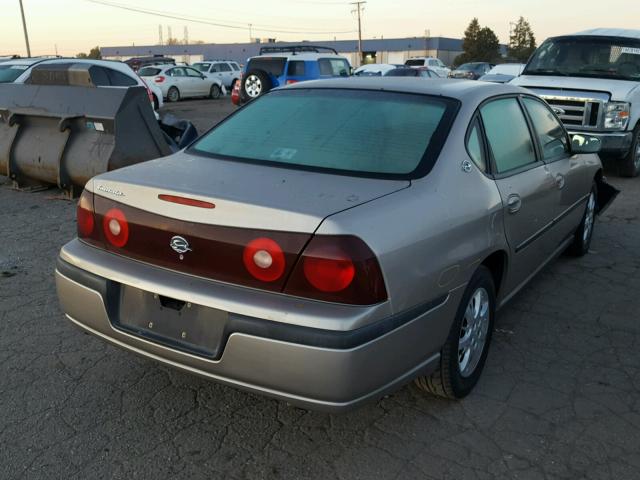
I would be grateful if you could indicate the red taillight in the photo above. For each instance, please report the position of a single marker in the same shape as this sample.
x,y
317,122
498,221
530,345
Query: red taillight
x,y
264,259
329,271
85,217
186,201
159,79
290,82
338,268
116,227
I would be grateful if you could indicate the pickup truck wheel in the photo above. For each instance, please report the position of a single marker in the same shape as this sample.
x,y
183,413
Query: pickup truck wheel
x,y
173,95
584,233
630,165
464,354
215,92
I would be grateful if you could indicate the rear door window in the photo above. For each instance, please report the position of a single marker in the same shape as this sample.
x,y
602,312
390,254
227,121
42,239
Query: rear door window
x,y
149,72
508,135
335,67
474,147
99,76
224,67
235,66
191,72
119,79
177,72
295,68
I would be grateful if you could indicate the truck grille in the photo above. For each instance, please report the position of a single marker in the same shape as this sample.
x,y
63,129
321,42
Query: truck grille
x,y
576,112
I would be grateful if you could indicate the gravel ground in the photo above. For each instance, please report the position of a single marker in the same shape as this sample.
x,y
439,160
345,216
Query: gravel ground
x,y
559,397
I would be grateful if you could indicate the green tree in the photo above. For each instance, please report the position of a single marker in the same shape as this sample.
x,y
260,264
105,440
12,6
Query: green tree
x,y
480,44
522,41
93,53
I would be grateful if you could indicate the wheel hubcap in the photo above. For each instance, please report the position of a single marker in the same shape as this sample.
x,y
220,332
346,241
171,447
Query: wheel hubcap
x,y
253,86
589,218
636,160
473,332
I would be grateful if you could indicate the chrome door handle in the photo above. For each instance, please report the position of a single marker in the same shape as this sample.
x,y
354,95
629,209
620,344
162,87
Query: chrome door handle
x,y
560,181
514,203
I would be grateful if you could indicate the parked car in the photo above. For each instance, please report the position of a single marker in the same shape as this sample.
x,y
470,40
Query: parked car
x,y
424,72
292,262
182,82
278,66
503,73
592,80
471,71
373,69
227,71
433,63
104,73
137,63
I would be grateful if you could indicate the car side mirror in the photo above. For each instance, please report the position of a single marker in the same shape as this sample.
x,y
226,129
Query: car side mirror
x,y
585,144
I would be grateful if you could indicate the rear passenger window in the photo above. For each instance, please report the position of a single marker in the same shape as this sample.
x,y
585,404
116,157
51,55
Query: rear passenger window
x,y
99,76
508,134
119,79
335,67
550,133
474,147
295,69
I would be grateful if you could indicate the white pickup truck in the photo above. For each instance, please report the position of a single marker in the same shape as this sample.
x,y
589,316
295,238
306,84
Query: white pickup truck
x,y
591,80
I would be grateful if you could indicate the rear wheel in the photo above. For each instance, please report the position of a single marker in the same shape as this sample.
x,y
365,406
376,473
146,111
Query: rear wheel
x,y
215,92
582,237
173,95
464,354
630,165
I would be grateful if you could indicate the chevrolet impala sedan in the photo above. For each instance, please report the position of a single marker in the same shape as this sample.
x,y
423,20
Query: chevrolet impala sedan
x,y
332,241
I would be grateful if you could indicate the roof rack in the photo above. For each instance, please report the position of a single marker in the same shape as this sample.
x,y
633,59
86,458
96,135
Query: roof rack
x,y
296,49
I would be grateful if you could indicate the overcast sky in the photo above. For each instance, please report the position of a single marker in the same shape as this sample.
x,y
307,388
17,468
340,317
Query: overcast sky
x,y
76,25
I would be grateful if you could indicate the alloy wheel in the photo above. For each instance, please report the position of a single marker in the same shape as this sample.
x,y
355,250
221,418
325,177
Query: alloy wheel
x,y
589,218
473,332
253,86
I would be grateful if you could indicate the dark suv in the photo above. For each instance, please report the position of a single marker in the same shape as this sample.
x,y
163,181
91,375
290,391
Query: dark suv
x,y
278,66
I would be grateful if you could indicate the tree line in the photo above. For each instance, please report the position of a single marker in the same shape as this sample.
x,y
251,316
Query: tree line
x,y
481,44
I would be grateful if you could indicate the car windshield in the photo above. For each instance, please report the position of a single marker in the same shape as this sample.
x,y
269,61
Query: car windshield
x,y
9,73
357,131
149,71
599,57
202,67
418,62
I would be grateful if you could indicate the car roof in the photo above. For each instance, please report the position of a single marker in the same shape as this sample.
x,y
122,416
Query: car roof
x,y
610,32
24,61
299,56
463,90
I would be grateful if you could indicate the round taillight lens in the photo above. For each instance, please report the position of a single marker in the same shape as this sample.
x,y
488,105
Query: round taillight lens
x,y
116,227
264,259
86,222
332,272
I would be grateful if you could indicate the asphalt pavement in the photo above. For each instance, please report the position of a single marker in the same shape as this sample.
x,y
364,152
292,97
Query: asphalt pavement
x,y
559,398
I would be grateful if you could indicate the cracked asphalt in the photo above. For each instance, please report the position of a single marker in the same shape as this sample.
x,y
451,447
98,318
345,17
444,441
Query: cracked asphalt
x,y
559,398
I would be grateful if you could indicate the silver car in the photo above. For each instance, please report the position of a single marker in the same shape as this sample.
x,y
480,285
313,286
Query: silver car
x,y
334,240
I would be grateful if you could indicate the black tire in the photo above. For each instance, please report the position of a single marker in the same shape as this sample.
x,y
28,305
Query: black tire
x,y
448,381
215,92
584,232
173,95
254,84
630,165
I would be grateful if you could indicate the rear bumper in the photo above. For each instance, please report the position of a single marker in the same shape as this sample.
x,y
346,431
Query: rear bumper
x,y
332,370
613,144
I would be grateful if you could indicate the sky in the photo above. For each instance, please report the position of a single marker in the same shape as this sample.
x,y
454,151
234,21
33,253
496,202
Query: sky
x,y
68,27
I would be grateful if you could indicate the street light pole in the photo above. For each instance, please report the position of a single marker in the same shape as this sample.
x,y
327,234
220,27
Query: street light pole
x,y
359,11
24,26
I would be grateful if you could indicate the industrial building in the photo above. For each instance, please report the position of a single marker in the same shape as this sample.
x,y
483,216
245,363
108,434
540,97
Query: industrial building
x,y
387,50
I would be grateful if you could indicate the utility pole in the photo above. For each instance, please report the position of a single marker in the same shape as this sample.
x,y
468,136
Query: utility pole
x,y
24,26
250,33
160,35
359,8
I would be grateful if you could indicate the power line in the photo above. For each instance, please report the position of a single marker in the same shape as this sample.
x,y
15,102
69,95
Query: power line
x,y
184,18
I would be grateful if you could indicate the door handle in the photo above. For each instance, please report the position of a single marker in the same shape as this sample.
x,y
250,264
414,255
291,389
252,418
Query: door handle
x,y
514,203
560,181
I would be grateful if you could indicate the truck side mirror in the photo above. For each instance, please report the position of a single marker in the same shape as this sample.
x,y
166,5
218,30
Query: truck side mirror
x,y
585,144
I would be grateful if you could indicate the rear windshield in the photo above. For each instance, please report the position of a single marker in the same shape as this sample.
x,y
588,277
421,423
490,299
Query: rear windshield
x,y
8,73
149,72
272,65
349,131
418,62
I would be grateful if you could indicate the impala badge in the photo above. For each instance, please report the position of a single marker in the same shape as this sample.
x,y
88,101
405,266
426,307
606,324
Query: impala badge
x,y
180,245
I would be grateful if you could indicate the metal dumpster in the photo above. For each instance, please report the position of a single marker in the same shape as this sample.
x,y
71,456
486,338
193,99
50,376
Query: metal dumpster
x,y
61,129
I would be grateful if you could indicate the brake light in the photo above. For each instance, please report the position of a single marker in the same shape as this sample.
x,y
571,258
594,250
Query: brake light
x,y
159,79
85,216
264,259
338,268
186,201
116,227
290,82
